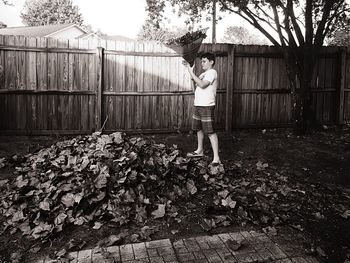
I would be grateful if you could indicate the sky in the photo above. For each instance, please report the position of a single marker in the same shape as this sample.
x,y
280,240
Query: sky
x,y
118,17
123,17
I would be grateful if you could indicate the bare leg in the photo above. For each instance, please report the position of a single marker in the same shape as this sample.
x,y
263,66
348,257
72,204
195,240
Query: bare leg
x,y
200,139
215,146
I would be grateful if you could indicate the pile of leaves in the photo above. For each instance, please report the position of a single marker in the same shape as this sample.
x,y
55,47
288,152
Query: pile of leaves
x,y
94,179
186,39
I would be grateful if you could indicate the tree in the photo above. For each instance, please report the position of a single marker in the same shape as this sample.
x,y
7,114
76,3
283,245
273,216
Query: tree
x,y
149,32
2,24
241,36
341,36
300,28
5,2
49,12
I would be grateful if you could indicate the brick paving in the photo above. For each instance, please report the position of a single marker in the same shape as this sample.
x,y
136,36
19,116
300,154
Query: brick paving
x,y
255,247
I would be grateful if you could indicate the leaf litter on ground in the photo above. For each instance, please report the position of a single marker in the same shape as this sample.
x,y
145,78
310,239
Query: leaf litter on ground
x,y
114,178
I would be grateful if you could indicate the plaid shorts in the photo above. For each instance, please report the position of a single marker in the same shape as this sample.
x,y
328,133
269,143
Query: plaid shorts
x,y
203,119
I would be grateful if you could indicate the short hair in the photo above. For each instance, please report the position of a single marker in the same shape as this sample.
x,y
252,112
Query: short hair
x,y
209,56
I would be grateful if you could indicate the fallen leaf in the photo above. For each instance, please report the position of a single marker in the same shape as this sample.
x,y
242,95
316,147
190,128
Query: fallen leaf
x,y
112,239
2,162
101,181
97,225
16,257
229,202
271,231
18,216
68,199
79,221
3,182
233,244
320,252
35,249
260,166
59,220
20,182
61,253
346,214
159,212
319,216
206,224
41,230
44,205
190,185
223,193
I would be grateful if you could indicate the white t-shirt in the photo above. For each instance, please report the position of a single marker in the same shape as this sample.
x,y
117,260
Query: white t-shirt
x,y
206,96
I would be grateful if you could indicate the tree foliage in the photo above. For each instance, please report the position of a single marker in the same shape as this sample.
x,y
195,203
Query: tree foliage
x,y
298,27
150,32
2,24
6,2
241,36
341,36
294,22
48,12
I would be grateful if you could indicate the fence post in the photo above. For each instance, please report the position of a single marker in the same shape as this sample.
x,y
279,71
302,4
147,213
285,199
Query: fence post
x,y
341,88
229,87
98,111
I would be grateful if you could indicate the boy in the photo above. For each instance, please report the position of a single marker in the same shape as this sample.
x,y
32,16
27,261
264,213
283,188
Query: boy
x,y
204,105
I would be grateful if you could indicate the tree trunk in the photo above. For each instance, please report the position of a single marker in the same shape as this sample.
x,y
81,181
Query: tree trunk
x,y
307,120
300,64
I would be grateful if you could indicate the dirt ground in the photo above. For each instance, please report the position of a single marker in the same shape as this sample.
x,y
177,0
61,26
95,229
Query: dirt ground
x,y
321,158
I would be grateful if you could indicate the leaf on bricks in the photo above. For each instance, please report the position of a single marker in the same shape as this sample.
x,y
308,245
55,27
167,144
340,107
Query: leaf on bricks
x,y
233,244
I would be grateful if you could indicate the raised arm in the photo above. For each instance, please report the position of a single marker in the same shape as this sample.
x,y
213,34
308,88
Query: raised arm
x,y
202,83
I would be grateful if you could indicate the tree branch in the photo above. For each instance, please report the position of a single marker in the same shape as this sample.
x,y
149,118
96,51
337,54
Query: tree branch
x,y
277,22
266,21
297,29
308,23
319,36
250,19
334,18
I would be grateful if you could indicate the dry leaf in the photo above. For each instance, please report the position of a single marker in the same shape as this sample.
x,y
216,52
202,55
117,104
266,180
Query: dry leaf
x,y
68,199
233,244
97,225
190,185
159,212
44,205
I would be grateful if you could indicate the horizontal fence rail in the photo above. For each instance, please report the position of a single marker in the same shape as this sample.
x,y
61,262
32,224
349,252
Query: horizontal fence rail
x,y
72,86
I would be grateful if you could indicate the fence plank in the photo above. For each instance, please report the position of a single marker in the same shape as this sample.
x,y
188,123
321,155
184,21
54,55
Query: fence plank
x,y
120,86
45,104
20,100
10,64
3,99
98,112
139,71
229,88
342,83
52,67
31,84
2,64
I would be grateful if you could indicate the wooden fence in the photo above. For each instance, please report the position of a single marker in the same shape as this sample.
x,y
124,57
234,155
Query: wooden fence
x,y
73,86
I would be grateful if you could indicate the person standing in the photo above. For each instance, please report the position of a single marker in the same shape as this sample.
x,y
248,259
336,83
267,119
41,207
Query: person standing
x,y
204,105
